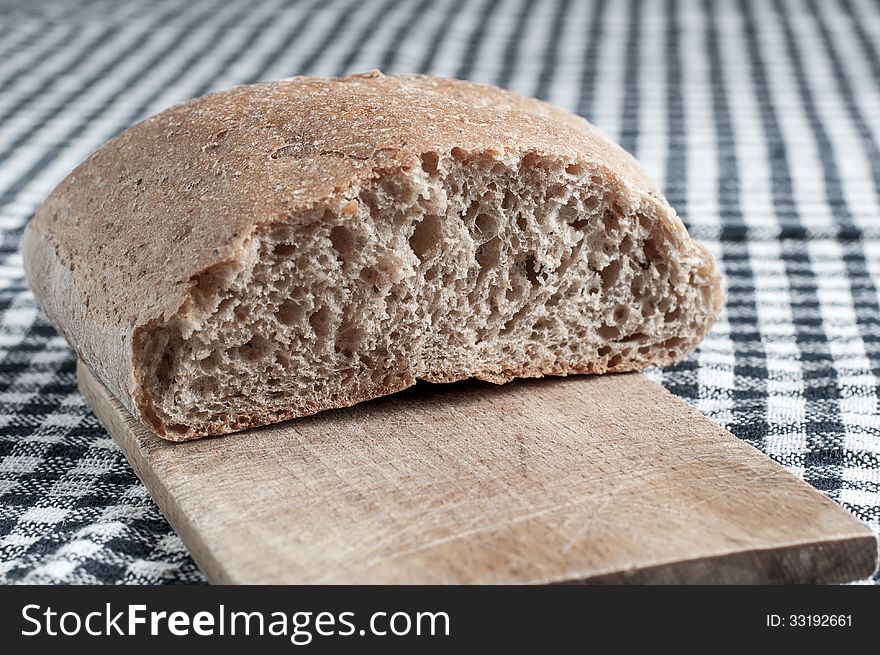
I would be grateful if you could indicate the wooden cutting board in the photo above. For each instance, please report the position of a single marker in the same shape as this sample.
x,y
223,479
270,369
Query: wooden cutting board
x,y
587,479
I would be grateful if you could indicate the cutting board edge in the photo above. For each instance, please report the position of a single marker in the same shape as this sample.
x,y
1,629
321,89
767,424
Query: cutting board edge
x,y
134,451
863,545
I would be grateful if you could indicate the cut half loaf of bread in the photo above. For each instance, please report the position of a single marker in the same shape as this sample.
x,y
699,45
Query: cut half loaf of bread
x,y
279,249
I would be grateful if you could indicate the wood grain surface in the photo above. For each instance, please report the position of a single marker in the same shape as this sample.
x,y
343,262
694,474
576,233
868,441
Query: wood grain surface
x,y
589,479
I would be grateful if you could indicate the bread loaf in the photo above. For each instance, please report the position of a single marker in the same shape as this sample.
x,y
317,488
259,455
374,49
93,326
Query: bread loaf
x,y
283,248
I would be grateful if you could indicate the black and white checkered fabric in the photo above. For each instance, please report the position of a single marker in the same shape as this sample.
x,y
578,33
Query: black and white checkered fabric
x,y
759,118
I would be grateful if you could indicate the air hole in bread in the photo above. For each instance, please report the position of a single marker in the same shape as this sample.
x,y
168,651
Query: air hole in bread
x,y
611,219
284,250
609,332
343,240
486,224
610,274
429,162
370,275
488,255
580,222
673,314
673,343
320,322
210,282
651,249
291,312
426,236
530,268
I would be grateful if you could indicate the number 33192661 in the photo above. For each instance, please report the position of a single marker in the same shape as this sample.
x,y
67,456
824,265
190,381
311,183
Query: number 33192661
x,y
809,621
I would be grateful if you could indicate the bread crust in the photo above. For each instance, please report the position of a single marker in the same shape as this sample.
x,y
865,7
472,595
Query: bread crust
x,y
117,247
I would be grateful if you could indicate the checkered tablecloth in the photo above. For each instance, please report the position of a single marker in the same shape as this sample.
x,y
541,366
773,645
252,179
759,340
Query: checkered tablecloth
x,y
759,118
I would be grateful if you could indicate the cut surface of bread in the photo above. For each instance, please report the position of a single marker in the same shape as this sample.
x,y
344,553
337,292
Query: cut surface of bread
x,y
280,249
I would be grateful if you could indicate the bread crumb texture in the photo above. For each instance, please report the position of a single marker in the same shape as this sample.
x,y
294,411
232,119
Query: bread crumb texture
x,y
279,249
